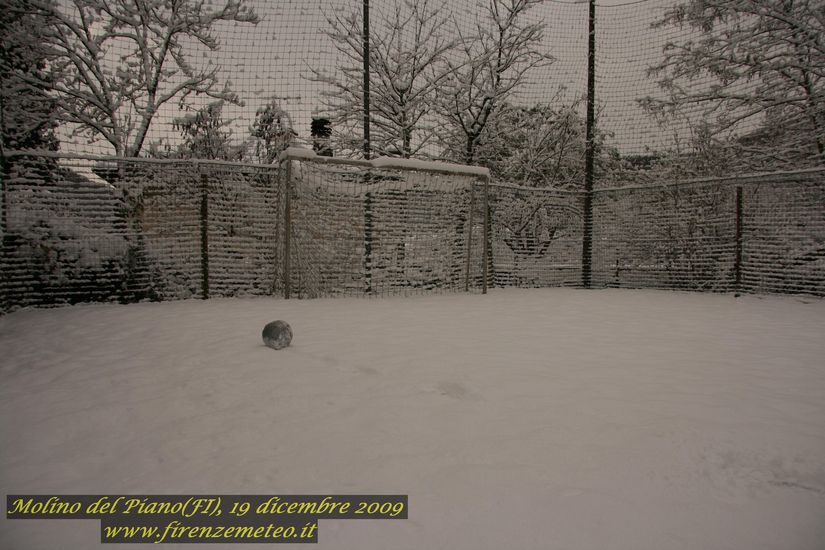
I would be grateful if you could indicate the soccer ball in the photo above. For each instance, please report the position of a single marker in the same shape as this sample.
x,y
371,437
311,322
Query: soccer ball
x,y
277,334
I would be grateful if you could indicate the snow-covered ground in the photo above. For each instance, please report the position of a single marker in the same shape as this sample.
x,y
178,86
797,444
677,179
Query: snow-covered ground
x,y
530,419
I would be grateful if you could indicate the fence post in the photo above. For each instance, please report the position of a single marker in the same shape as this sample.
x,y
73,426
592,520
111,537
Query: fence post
x,y
366,55
368,221
204,232
737,260
587,230
484,256
287,225
5,172
469,237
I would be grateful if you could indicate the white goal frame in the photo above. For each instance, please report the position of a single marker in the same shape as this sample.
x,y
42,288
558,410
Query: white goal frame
x,y
482,175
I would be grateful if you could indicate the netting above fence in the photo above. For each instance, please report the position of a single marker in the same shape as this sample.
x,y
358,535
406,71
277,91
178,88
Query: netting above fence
x,y
686,87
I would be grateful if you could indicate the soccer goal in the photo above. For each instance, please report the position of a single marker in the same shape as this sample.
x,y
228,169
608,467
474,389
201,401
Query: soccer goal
x,y
385,226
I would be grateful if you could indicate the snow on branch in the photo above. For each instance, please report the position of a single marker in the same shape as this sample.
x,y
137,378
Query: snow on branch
x,y
753,72
114,63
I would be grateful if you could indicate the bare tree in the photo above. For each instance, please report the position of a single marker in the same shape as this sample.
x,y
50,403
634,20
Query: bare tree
x,y
116,62
753,67
487,67
406,60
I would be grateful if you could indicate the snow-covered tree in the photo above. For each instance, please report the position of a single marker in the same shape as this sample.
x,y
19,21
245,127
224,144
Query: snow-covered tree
x,y
117,62
538,146
270,134
27,111
206,135
753,72
485,69
406,60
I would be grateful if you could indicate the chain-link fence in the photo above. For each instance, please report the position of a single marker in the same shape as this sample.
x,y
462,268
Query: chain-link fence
x,y
140,145
128,230
313,226
753,234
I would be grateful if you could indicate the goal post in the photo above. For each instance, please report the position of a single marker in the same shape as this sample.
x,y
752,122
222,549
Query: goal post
x,y
382,226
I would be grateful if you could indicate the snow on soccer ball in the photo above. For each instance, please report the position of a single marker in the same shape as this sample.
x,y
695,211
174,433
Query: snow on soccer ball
x,y
277,334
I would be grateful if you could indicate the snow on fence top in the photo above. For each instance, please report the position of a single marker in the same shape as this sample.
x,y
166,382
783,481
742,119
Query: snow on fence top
x,y
302,153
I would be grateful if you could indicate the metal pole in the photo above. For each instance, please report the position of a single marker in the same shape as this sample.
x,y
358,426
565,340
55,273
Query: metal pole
x,y
366,56
486,234
5,173
287,226
587,230
737,260
368,242
204,233
469,237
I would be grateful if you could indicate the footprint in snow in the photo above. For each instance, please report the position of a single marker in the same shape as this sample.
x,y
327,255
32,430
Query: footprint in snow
x,y
452,389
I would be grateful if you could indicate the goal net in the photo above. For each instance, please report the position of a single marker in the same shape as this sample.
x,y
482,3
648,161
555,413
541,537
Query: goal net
x,y
387,226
